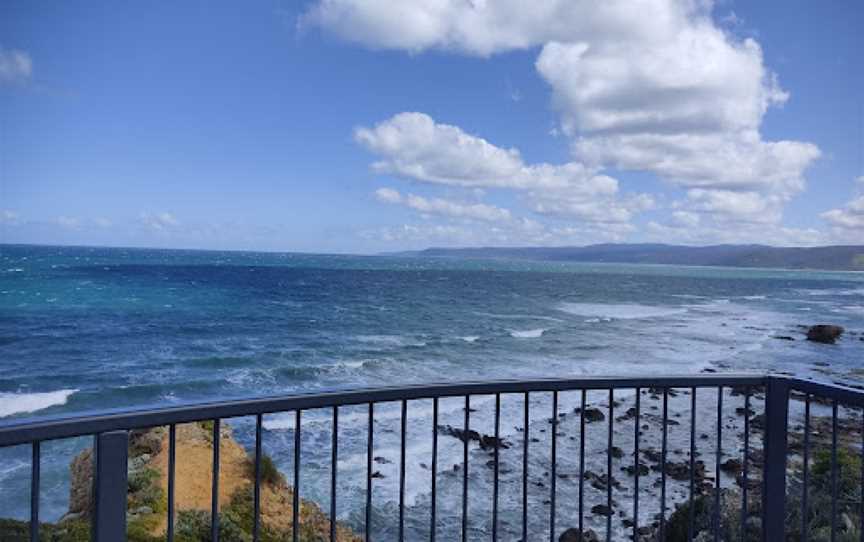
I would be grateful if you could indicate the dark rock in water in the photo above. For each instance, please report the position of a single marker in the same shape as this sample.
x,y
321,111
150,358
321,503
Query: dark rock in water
x,y
652,455
631,469
731,466
629,415
783,337
381,460
592,414
616,452
377,474
575,535
486,442
601,510
601,481
824,333
681,471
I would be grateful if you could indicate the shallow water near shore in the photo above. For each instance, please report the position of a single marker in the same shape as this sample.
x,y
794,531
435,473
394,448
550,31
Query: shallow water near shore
x,y
85,328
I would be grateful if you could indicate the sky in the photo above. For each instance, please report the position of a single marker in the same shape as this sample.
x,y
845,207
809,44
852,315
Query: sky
x,y
365,126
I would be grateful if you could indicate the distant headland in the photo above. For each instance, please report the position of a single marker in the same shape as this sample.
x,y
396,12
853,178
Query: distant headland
x,y
829,258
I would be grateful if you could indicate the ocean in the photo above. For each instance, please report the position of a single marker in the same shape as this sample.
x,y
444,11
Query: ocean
x,y
87,328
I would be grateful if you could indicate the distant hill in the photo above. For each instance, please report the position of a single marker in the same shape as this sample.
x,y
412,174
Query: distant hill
x,y
834,258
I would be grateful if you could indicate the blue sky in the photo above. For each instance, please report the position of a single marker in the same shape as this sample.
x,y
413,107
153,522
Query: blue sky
x,y
349,126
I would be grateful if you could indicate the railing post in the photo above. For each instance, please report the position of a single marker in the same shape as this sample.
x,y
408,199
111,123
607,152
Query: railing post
x,y
774,476
110,486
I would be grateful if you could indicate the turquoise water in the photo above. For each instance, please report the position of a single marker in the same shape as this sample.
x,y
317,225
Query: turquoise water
x,y
84,328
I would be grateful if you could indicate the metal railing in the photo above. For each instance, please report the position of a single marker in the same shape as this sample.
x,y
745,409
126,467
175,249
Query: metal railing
x,y
111,438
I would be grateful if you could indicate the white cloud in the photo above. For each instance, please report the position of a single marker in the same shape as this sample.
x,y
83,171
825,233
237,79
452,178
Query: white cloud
x,y
516,232
648,85
484,27
440,206
158,222
68,222
15,66
850,217
686,105
415,147
9,217
685,219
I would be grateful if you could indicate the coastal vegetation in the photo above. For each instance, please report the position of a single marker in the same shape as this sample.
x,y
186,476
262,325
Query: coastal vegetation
x,y
147,495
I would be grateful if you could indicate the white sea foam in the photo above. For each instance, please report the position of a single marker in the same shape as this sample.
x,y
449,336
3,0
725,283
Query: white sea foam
x,y
518,316
20,403
527,333
824,292
389,340
470,338
622,311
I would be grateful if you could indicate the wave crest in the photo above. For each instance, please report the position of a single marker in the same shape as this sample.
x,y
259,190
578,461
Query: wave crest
x,y
21,403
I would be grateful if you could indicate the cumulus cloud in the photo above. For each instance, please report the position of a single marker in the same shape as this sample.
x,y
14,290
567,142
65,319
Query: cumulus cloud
x,y
686,104
849,218
415,147
483,27
444,207
15,66
646,85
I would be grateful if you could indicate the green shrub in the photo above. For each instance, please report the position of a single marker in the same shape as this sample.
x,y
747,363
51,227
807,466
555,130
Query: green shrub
x,y
819,498
194,526
269,471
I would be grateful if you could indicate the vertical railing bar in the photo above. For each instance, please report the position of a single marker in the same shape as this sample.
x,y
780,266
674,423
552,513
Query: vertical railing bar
x,y
690,509
609,466
554,461
35,475
861,526
172,473
495,481
775,446
256,496
214,491
582,463
369,452
334,458
295,503
745,462
636,467
465,470
525,471
719,452
433,506
834,468
805,488
110,479
663,448
404,425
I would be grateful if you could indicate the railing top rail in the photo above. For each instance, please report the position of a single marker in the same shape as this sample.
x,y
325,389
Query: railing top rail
x,y
842,394
22,431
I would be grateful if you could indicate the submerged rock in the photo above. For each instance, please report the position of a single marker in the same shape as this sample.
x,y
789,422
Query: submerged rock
x,y
824,333
575,535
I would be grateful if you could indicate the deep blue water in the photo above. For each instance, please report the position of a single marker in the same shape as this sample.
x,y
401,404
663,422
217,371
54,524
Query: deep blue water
x,y
84,328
